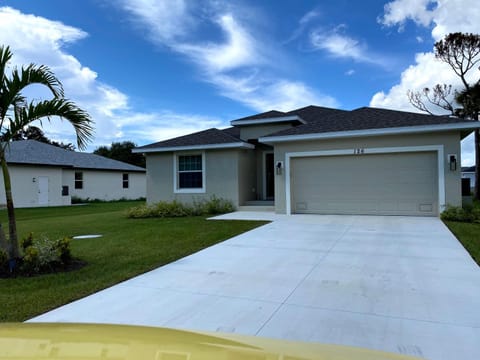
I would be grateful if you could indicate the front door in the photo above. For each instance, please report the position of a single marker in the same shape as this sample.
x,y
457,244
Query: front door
x,y
43,190
269,177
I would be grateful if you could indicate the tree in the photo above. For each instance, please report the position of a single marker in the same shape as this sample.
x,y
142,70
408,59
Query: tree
x,y
35,133
17,114
462,53
122,151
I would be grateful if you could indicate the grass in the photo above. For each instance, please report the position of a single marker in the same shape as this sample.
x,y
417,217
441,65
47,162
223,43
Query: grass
x,y
128,247
469,235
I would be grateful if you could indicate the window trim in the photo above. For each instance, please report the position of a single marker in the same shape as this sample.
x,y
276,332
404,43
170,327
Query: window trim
x,y
127,181
176,179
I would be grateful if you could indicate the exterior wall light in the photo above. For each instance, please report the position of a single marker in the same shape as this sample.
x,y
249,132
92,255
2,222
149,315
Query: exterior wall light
x,y
278,167
452,161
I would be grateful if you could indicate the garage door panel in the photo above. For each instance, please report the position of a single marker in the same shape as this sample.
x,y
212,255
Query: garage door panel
x,y
390,184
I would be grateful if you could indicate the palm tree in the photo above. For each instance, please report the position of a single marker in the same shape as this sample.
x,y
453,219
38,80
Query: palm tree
x,y
16,114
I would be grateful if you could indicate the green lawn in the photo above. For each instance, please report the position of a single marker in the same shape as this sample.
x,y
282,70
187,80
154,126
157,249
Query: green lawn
x,y
128,247
469,235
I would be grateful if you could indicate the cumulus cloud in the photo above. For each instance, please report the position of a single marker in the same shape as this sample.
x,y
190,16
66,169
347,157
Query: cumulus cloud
x,y
39,40
444,16
399,11
234,64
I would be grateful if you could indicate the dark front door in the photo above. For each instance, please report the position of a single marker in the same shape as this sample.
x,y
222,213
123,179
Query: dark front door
x,y
269,177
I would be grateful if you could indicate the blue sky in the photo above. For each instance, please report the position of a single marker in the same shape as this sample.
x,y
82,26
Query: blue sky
x,y
148,70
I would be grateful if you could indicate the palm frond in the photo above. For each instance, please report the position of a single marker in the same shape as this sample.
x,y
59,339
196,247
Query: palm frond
x,y
19,79
63,108
5,57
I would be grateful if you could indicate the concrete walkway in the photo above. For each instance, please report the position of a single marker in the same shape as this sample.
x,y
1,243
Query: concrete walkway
x,y
398,284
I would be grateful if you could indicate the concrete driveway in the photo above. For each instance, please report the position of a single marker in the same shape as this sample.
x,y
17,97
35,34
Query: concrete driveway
x,y
398,284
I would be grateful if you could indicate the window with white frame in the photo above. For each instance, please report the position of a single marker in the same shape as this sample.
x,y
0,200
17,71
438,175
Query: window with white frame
x,y
125,181
190,172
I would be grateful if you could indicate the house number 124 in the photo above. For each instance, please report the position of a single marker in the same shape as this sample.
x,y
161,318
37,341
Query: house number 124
x,y
358,151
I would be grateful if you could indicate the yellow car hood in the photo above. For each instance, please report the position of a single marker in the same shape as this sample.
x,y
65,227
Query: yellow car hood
x,y
98,341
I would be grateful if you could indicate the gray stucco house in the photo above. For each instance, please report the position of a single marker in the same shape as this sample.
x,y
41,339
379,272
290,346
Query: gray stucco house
x,y
46,175
317,160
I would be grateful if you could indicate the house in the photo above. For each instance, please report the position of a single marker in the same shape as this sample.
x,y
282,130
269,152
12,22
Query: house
x,y
468,172
317,160
46,175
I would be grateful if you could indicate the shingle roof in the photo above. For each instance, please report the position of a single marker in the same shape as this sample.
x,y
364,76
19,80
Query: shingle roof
x,y
317,120
206,137
33,152
264,115
363,119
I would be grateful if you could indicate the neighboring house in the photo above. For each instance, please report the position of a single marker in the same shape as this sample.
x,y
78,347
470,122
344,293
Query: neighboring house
x,y
317,160
469,173
45,175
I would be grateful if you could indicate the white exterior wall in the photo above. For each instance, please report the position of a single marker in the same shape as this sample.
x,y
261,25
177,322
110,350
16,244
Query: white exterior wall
x,y
25,186
108,185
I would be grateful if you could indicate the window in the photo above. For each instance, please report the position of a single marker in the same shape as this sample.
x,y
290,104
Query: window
x,y
65,190
78,180
125,181
190,172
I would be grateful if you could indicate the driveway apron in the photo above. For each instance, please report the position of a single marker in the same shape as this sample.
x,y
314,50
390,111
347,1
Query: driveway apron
x,y
391,283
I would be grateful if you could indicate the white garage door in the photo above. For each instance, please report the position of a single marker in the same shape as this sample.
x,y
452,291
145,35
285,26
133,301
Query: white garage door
x,y
386,184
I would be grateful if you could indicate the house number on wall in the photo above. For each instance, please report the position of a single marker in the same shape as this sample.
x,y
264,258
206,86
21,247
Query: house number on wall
x,y
359,151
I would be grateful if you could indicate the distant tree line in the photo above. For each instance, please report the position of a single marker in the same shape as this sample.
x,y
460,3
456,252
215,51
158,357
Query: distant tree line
x,y
35,133
121,151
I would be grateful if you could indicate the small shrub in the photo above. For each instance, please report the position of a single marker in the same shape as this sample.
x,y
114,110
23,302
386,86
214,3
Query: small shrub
x,y
79,200
218,206
171,209
466,214
27,241
176,208
44,254
63,250
141,212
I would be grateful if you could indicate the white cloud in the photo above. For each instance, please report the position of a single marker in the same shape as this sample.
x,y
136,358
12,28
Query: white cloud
x,y
146,125
239,49
280,95
39,40
446,16
350,72
166,20
399,11
236,64
343,46
309,16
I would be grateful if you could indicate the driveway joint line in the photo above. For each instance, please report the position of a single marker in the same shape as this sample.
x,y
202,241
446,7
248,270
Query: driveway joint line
x,y
203,293
347,228
437,322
